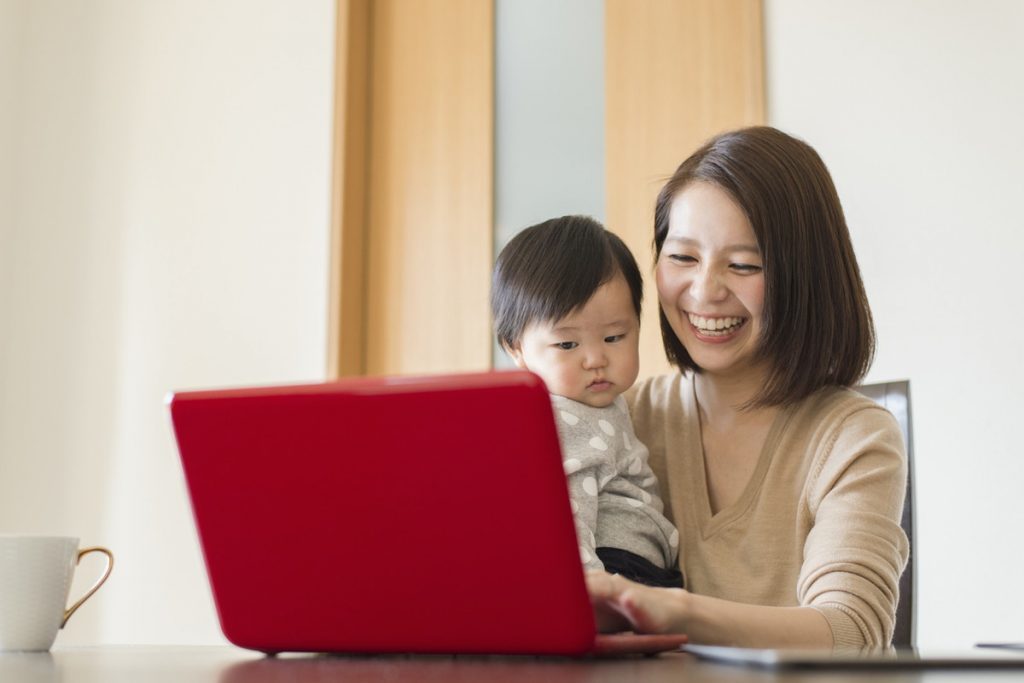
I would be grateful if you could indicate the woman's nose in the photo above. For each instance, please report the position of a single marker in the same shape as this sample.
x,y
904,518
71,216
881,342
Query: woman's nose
x,y
707,286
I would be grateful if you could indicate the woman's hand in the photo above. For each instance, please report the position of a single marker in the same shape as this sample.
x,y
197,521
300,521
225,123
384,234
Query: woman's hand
x,y
621,605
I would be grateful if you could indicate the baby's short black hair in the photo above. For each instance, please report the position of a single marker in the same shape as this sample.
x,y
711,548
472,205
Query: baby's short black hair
x,y
551,269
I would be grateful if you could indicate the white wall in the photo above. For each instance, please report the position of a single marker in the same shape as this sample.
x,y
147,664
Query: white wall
x,y
10,71
917,108
172,162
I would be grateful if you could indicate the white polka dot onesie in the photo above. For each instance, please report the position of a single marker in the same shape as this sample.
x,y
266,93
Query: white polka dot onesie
x,y
614,493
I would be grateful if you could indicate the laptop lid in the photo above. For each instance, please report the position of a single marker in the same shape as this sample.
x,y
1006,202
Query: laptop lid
x,y
415,514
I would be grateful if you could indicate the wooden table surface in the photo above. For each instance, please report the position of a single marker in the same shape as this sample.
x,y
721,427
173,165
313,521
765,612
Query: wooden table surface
x,y
145,664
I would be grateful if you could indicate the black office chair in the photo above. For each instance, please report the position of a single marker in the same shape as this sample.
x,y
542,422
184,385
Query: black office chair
x,y
895,396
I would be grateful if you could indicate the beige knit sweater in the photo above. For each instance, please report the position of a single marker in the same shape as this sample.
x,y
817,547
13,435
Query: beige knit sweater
x,y
818,523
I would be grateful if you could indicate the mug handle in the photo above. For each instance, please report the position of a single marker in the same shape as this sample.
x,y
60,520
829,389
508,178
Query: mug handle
x,y
96,586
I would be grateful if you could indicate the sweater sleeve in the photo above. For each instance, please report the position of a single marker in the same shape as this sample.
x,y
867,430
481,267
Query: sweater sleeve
x,y
856,550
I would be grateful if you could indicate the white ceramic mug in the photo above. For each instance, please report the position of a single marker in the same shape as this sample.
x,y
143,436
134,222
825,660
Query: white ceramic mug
x,y
35,580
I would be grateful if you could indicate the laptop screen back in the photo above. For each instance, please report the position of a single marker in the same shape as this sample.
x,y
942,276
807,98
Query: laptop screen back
x,y
386,515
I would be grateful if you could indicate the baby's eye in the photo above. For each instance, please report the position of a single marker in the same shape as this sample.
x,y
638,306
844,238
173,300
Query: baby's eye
x,y
614,338
566,346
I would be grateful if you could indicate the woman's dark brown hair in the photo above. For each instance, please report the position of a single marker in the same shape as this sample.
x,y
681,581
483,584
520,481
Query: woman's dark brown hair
x,y
816,329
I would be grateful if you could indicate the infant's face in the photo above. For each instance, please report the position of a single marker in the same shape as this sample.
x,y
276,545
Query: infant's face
x,y
591,355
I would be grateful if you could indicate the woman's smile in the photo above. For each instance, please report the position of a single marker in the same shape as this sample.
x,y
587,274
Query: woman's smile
x,y
715,330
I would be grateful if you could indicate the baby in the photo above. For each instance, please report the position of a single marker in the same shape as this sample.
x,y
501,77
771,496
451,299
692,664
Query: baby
x,y
566,302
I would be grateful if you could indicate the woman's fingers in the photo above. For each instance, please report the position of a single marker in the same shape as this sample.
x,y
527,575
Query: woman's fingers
x,y
599,585
654,610
647,610
602,591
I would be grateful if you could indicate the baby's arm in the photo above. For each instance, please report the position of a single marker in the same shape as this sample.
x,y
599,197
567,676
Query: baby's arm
x,y
633,516
587,468
583,473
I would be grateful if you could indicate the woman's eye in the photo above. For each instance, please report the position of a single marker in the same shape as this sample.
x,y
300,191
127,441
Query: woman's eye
x,y
745,268
566,346
682,258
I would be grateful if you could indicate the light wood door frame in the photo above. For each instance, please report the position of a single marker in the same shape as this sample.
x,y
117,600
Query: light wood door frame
x,y
346,326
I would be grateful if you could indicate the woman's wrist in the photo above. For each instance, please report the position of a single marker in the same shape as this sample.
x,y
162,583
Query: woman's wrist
x,y
684,610
713,621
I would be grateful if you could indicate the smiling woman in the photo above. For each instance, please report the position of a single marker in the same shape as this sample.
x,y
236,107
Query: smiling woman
x,y
786,486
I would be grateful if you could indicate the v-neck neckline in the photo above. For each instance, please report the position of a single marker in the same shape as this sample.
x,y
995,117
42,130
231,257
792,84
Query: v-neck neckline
x,y
710,524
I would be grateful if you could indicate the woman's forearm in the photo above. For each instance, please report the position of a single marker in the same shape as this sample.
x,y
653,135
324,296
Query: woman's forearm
x,y
720,622
704,619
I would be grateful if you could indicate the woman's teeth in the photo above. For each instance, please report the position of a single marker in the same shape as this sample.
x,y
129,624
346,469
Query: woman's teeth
x,y
715,327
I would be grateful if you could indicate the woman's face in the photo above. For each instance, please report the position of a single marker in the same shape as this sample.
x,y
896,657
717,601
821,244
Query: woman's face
x,y
711,280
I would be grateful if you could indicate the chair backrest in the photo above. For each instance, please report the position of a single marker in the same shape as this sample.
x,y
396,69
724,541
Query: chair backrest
x,y
895,396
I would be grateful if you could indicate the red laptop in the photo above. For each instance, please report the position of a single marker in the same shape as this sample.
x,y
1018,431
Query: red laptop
x,y
412,514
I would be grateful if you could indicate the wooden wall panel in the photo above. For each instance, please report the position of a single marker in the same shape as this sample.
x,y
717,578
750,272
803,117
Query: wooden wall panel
x,y
414,225
676,73
431,224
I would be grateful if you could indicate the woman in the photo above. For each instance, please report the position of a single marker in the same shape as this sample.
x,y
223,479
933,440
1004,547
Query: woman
x,y
786,486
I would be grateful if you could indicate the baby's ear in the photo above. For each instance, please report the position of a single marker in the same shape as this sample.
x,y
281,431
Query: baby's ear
x,y
516,354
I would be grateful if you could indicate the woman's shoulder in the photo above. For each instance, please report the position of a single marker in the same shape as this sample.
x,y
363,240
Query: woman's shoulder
x,y
847,426
847,409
